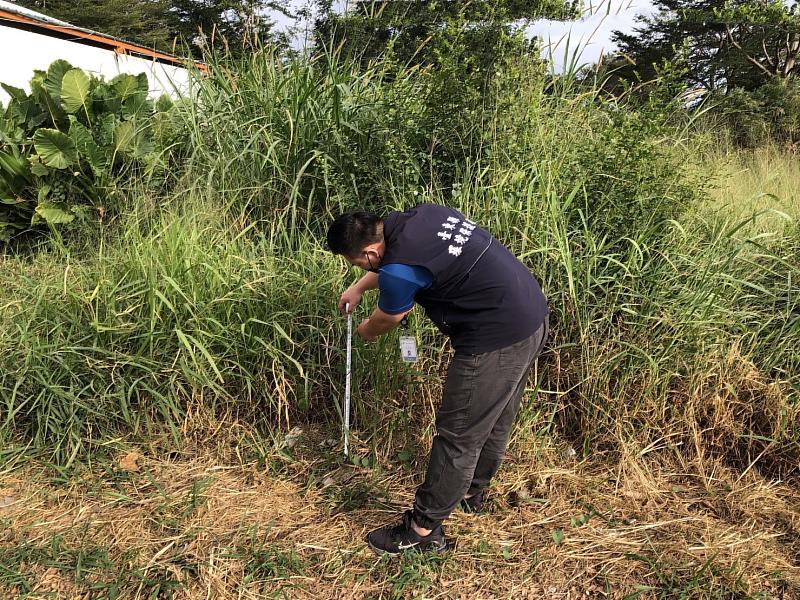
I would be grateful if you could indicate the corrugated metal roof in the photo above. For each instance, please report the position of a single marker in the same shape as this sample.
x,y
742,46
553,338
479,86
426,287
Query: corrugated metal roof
x,y
15,8
15,13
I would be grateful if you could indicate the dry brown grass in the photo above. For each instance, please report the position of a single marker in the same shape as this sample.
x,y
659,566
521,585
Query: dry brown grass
x,y
218,526
709,509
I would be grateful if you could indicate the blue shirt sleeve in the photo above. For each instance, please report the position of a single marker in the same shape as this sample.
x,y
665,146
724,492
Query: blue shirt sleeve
x,y
398,284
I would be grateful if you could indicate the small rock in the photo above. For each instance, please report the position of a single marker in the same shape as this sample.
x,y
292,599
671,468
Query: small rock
x,y
291,439
130,462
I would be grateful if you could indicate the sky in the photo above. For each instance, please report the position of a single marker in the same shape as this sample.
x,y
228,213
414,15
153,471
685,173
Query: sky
x,y
591,35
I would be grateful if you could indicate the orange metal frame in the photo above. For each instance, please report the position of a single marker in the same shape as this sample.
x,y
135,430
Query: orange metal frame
x,y
118,46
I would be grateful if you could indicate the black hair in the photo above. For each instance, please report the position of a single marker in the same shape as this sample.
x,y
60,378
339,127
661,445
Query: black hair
x,y
350,232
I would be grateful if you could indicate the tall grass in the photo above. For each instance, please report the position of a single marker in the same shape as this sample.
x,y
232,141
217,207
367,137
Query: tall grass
x,y
761,184
220,292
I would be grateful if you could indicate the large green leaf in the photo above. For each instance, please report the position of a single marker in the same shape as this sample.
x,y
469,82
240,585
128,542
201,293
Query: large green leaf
x,y
124,134
55,149
144,143
37,167
126,85
28,113
164,103
135,141
41,194
11,133
136,106
45,100
75,90
105,99
55,213
14,171
54,77
16,93
87,147
103,129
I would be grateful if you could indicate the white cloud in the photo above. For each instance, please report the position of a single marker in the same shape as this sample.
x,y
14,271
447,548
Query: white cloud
x,y
585,40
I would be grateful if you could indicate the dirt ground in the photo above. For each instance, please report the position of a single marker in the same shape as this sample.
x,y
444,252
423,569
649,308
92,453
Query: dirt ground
x,y
209,523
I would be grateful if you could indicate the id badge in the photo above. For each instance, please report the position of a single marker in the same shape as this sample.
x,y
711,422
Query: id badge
x,y
408,348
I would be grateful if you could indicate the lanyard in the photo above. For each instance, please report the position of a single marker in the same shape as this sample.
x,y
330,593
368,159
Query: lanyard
x,y
408,343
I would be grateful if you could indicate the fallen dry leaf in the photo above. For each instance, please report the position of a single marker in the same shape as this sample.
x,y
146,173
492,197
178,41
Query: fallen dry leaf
x,y
130,462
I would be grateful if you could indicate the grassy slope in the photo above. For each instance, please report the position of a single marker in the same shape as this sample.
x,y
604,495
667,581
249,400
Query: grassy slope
x,y
764,180
657,454
235,516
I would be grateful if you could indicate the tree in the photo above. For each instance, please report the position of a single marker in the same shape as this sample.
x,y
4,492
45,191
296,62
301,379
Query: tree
x,y
741,55
767,34
424,32
451,50
725,44
238,24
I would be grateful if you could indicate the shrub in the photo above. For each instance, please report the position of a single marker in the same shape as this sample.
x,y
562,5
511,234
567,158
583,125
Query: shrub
x,y
63,145
768,113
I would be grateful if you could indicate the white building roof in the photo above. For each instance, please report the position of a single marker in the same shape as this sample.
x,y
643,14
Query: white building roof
x,y
15,8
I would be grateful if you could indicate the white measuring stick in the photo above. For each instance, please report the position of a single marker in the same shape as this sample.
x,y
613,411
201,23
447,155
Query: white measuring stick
x,y
347,380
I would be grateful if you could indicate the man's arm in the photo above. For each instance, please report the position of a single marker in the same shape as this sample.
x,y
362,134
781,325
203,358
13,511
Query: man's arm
x,y
352,295
399,285
379,323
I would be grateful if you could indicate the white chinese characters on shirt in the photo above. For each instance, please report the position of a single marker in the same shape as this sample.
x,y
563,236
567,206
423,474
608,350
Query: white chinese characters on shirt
x,y
461,237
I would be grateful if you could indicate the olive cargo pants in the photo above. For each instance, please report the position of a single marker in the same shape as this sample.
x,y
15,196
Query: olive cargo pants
x,y
481,397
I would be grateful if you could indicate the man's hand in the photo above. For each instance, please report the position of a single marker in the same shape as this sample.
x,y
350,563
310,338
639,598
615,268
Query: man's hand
x,y
352,296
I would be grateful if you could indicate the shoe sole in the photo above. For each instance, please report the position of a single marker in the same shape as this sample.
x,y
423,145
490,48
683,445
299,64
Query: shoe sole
x,y
380,551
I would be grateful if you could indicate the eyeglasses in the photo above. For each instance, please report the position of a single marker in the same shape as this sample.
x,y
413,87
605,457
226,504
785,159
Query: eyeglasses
x,y
371,267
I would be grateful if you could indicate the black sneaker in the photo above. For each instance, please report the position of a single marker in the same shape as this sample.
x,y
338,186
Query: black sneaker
x,y
473,504
400,538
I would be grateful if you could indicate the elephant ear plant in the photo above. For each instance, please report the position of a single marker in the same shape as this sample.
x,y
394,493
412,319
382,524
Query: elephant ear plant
x,y
64,144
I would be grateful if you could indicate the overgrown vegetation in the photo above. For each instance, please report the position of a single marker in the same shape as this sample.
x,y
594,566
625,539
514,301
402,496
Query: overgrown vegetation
x,y
201,310
65,145
183,301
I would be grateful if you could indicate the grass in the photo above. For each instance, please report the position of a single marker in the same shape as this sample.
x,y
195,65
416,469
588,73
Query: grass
x,y
639,528
656,452
763,184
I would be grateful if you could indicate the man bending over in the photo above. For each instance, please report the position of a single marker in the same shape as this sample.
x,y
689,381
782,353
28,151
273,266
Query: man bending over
x,y
488,303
